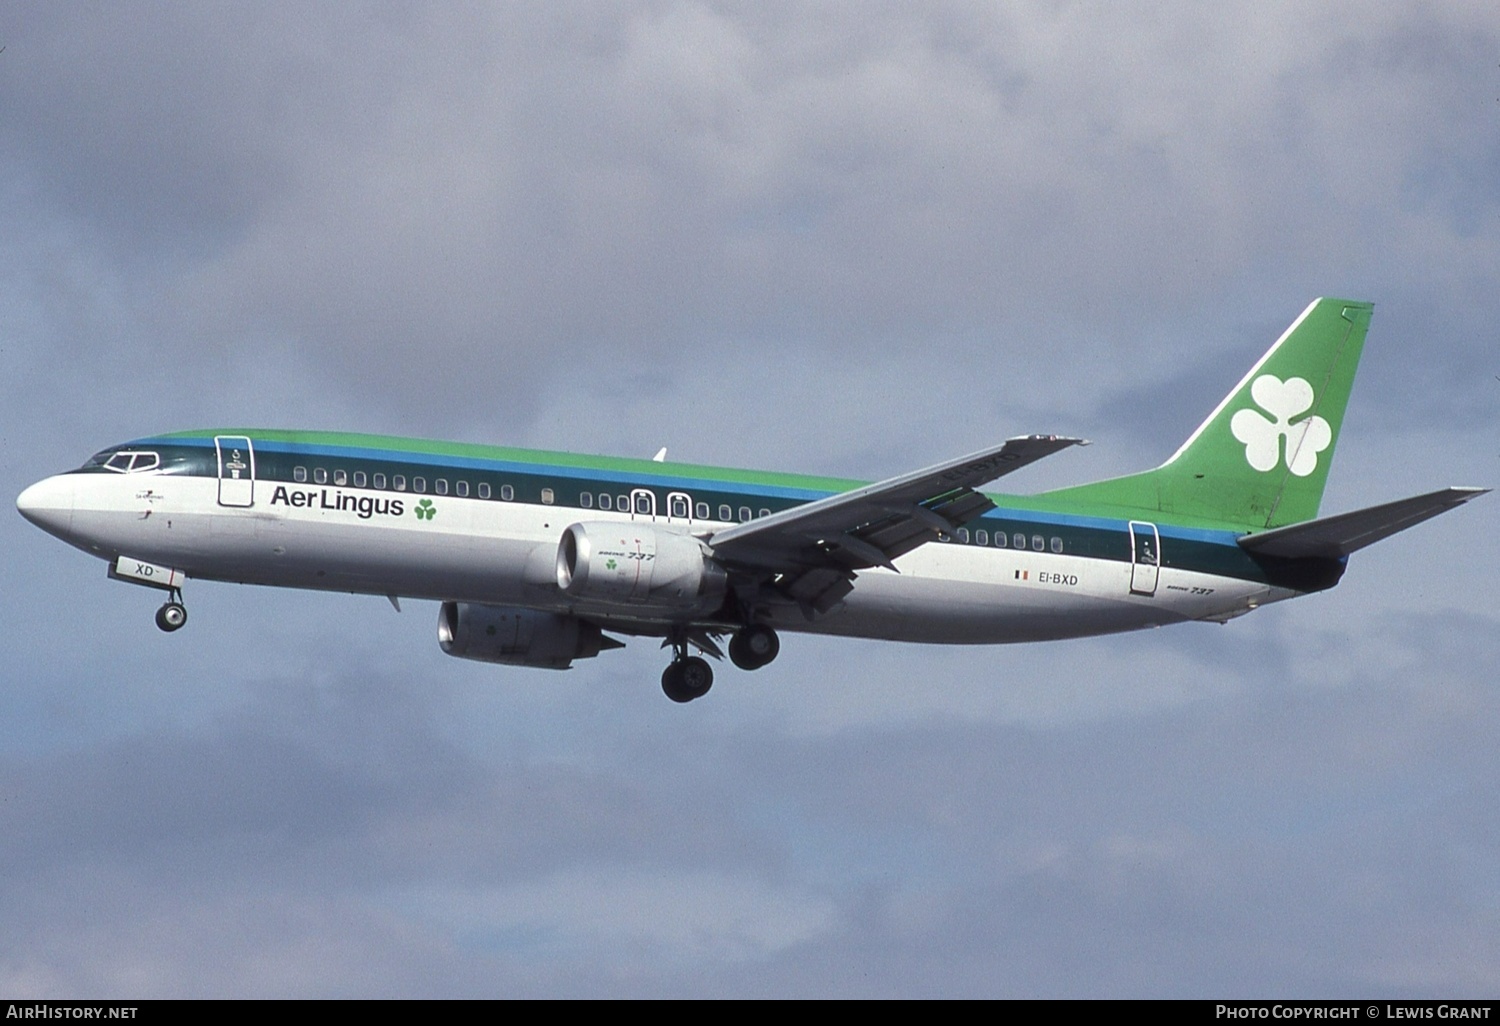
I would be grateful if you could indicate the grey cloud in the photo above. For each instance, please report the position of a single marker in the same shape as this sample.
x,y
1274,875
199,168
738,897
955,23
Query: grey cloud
x,y
1319,827
492,192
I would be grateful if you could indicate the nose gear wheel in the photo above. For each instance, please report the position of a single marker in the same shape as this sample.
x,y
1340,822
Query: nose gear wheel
x,y
173,614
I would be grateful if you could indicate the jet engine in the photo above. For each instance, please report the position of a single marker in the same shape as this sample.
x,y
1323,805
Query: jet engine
x,y
518,637
635,564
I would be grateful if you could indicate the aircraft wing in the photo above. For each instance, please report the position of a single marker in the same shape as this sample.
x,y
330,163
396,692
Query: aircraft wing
x,y
815,549
1339,535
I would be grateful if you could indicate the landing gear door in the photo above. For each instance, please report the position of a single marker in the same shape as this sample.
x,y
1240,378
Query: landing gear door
x,y
1145,558
236,470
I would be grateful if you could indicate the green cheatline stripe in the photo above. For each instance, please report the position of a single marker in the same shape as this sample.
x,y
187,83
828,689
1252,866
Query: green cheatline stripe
x,y
645,469
648,471
1102,525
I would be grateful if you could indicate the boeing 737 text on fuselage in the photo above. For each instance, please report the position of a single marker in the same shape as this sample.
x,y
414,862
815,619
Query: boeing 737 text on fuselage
x,y
540,558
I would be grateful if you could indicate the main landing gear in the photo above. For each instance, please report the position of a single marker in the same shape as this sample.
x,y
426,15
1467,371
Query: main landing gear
x,y
687,678
690,677
753,646
173,614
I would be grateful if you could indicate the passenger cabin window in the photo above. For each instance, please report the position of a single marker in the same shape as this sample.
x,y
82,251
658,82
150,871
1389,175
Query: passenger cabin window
x,y
484,489
299,474
547,496
643,503
1057,545
398,482
1000,539
419,485
982,537
702,511
441,486
586,500
359,479
678,507
507,492
764,513
1018,540
379,480
320,476
963,535
605,502
622,503
340,477
726,513
462,489
1038,543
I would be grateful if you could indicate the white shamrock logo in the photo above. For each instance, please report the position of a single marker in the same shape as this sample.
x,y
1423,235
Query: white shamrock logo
x,y
1262,437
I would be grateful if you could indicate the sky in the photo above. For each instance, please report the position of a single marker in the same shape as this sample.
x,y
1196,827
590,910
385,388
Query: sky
x,y
847,239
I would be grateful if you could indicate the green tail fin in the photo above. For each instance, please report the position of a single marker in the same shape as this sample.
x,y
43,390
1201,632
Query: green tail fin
x,y
1261,458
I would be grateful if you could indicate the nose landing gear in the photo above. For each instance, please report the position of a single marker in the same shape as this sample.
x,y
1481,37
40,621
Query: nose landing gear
x,y
173,614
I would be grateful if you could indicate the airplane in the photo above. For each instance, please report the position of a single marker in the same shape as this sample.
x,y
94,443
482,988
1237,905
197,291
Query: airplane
x,y
540,558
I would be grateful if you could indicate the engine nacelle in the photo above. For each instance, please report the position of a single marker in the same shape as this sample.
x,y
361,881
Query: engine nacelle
x,y
637,564
518,637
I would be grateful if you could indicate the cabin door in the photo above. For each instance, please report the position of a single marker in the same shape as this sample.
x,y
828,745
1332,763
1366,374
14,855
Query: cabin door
x,y
1145,558
679,508
236,470
642,504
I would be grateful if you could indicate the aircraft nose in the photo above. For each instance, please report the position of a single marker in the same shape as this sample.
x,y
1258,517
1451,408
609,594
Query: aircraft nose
x,y
49,504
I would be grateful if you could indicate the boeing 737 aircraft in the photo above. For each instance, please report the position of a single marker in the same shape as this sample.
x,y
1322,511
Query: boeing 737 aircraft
x,y
539,557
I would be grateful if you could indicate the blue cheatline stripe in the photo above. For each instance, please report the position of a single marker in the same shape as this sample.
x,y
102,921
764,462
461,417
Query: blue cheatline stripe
x,y
683,483
583,473
1167,530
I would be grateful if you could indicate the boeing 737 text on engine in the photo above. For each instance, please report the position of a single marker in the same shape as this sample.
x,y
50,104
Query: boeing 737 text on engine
x,y
538,558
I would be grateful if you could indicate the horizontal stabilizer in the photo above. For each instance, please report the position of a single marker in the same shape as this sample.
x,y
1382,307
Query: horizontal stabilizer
x,y
1337,536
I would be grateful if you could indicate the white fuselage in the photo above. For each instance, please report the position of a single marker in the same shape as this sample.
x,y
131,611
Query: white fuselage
x,y
505,554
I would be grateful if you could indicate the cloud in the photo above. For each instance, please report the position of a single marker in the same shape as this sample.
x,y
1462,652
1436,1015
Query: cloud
x,y
1223,841
466,200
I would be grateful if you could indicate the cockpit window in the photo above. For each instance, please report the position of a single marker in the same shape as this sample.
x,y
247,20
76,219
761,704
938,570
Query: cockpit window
x,y
129,462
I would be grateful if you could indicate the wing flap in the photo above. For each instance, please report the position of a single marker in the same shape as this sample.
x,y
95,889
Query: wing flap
x,y
819,590
1337,536
873,525
906,529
